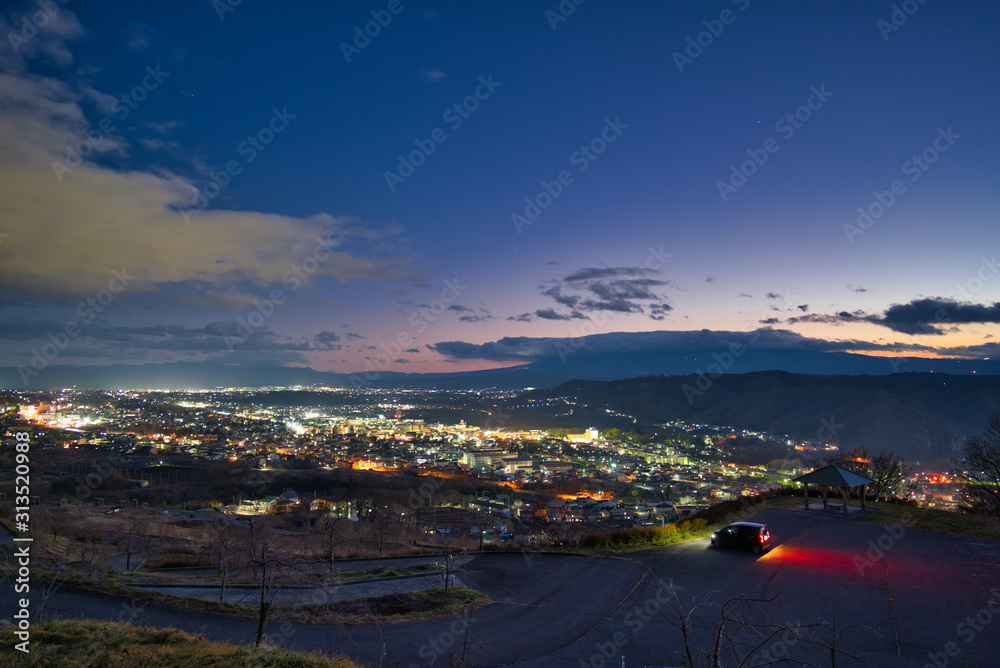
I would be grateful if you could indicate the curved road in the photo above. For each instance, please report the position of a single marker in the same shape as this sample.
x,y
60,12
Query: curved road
x,y
885,596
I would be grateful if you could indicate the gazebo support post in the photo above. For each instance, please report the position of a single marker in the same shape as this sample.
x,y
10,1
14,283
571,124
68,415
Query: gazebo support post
x,y
864,488
805,485
823,487
845,499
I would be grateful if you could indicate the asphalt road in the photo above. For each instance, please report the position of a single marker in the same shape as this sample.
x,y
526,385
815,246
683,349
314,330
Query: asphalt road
x,y
898,605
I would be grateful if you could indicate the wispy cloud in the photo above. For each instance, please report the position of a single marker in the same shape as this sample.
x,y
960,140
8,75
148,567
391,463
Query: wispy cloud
x,y
615,289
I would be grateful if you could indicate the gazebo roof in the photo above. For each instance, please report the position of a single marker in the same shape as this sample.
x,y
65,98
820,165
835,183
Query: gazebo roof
x,y
835,476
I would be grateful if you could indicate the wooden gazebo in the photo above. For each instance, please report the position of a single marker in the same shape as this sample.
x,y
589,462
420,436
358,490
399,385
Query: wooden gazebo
x,y
834,476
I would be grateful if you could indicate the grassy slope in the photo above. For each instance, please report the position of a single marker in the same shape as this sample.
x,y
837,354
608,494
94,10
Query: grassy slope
x,y
87,644
936,520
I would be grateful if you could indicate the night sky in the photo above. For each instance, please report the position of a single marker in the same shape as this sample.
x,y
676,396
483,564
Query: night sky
x,y
437,186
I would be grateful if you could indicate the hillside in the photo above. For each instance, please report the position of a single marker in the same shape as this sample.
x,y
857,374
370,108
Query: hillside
x,y
922,416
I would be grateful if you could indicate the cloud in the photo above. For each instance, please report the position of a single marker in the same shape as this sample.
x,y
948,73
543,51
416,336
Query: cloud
x,y
478,314
50,40
829,319
328,340
803,307
931,315
615,289
434,76
65,238
164,128
528,349
140,37
158,144
219,341
855,288
550,314
928,315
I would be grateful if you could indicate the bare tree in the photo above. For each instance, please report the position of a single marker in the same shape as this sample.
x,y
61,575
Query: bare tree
x,y
739,637
224,536
386,520
134,538
261,559
266,555
885,469
329,533
979,470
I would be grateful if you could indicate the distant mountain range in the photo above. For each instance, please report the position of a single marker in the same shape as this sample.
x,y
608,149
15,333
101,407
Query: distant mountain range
x,y
547,372
925,413
920,416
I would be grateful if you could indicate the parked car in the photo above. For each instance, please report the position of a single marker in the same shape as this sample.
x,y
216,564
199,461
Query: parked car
x,y
743,535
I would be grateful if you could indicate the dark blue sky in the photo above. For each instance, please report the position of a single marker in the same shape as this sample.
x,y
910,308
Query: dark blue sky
x,y
653,233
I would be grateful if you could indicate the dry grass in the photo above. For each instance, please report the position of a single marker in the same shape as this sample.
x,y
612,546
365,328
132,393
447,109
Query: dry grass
x,y
92,644
935,520
391,608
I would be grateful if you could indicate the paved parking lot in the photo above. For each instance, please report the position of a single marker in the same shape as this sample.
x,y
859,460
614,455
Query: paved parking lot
x,y
882,595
